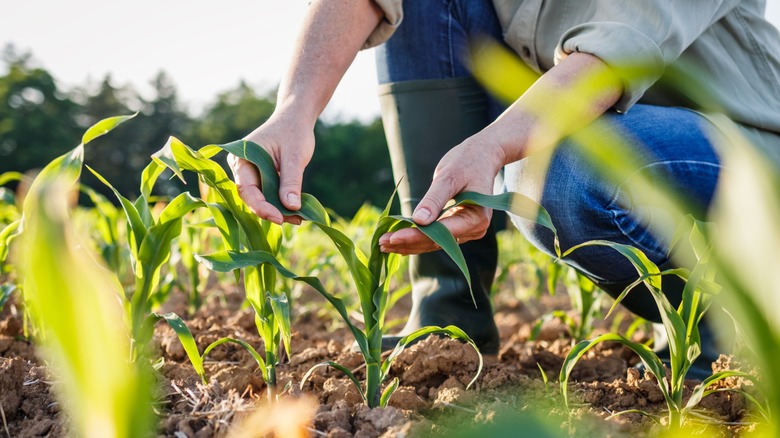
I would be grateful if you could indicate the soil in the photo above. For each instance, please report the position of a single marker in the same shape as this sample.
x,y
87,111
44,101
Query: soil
x,y
432,397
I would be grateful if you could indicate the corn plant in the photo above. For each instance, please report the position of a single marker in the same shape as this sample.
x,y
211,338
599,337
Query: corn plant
x,y
192,241
150,239
681,324
240,229
106,220
585,299
103,393
191,348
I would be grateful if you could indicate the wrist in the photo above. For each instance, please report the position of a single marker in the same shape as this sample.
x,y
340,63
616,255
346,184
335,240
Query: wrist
x,y
296,112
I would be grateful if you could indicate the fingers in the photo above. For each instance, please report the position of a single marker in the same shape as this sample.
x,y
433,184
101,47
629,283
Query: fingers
x,y
247,180
443,188
465,223
290,181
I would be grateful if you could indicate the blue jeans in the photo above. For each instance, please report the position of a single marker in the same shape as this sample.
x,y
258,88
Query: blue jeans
x,y
672,144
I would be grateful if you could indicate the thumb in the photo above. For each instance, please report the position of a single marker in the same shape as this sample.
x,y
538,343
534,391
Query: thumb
x,y
428,210
290,180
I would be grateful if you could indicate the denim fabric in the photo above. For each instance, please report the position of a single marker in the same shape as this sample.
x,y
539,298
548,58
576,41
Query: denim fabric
x,y
432,42
672,147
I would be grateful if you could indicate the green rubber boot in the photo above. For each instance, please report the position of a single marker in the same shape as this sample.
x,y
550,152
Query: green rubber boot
x,y
422,121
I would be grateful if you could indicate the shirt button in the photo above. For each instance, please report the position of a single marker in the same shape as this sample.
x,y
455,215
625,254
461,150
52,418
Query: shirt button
x,y
526,51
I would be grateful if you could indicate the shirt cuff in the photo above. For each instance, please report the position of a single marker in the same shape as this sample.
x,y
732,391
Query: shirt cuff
x,y
635,57
393,11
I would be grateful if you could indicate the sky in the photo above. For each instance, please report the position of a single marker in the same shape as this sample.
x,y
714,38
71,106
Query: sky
x,y
206,46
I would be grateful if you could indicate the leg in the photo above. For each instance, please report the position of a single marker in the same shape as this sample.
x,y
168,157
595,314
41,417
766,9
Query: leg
x,y
672,146
430,104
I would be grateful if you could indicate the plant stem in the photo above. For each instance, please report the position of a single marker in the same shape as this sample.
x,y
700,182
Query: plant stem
x,y
372,384
270,363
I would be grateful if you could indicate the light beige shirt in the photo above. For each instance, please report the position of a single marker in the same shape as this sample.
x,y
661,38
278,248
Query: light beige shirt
x,y
726,50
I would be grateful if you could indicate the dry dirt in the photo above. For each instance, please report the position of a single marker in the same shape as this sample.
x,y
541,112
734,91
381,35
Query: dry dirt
x,y
433,375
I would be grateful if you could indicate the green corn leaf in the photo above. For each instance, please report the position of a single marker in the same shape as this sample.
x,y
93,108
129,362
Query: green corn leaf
x,y
388,392
339,367
180,206
103,127
227,225
66,169
515,203
149,177
648,357
164,158
281,308
555,271
181,156
9,176
7,235
440,235
386,224
699,392
227,261
153,253
251,350
144,212
625,292
451,331
311,209
137,228
643,265
651,275
187,341
510,202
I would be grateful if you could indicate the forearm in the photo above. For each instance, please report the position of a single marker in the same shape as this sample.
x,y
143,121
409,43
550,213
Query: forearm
x,y
565,99
332,34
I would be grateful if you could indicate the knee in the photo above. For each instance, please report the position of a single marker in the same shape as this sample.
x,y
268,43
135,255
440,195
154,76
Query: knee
x,y
571,192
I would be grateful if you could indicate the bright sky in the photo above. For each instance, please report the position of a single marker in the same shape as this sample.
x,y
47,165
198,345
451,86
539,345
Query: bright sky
x,y
206,46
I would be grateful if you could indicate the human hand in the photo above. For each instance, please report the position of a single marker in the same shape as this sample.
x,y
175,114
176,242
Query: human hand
x,y
290,142
470,166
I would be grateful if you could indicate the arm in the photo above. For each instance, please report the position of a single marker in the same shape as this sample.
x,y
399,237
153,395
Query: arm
x,y
566,98
332,34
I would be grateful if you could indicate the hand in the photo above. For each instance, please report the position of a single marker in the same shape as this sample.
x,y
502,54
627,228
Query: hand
x,y
470,166
290,143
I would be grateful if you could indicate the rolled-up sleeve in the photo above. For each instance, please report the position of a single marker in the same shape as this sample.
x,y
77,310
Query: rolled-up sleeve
x,y
393,11
638,39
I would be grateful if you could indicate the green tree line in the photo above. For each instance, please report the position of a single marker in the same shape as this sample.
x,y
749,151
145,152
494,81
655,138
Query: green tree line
x,y
39,121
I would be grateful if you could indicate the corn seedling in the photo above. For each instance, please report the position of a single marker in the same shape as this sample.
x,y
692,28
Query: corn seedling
x,y
585,300
191,242
150,239
106,223
681,324
191,348
241,230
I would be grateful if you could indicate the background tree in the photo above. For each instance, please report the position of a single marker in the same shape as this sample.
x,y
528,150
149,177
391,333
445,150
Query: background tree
x,y
38,121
